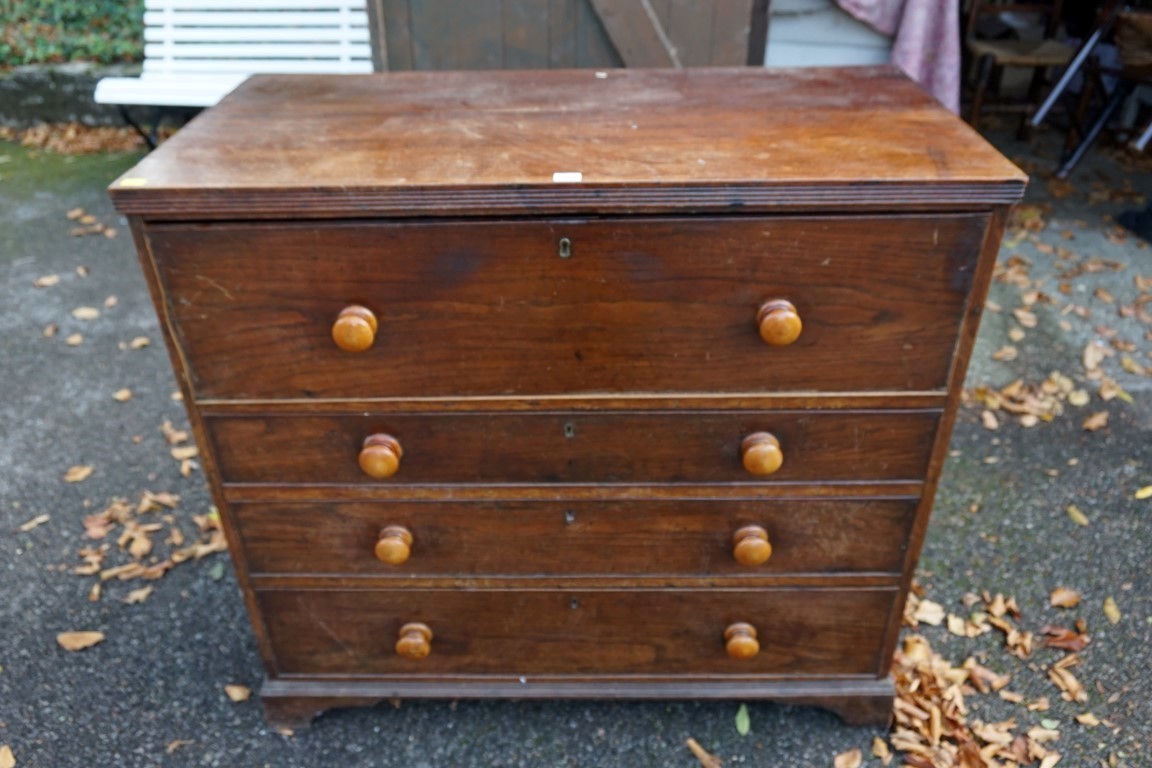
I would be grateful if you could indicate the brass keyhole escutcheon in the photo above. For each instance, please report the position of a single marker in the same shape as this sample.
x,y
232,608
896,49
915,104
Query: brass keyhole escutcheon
x,y
564,248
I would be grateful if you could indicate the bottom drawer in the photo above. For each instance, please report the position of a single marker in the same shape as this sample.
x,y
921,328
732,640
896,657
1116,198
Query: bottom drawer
x,y
800,632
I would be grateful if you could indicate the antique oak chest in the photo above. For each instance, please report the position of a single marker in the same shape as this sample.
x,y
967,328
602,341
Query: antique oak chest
x,y
573,384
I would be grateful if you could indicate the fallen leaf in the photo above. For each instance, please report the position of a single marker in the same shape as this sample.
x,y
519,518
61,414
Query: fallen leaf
x,y
137,596
880,750
989,420
1088,719
172,435
1094,354
929,612
185,452
78,473
176,744
1062,597
74,340
51,330
1005,354
74,214
7,759
34,523
47,281
1104,295
139,342
1016,334
110,232
122,395
706,760
94,593
850,759
1050,760
743,721
82,271
1025,317
1144,493
78,641
1112,611
110,302
1063,638
85,313
237,693
1076,515
1079,397
1096,421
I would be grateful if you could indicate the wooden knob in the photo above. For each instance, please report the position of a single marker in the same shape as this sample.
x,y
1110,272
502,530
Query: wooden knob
x,y
354,329
380,456
779,323
761,453
415,641
394,545
750,545
740,641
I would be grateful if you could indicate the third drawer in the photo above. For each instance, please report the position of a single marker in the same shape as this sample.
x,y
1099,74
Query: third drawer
x,y
572,448
567,538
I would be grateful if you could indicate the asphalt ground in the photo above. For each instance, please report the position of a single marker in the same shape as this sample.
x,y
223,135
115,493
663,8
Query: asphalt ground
x,y
152,693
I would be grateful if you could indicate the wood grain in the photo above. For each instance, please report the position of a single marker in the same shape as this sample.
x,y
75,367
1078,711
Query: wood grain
x,y
690,140
567,448
641,306
573,539
811,632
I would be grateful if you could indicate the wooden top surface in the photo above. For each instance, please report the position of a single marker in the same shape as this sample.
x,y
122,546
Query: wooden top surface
x,y
473,143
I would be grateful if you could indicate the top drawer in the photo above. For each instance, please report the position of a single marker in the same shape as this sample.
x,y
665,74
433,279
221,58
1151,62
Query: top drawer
x,y
530,308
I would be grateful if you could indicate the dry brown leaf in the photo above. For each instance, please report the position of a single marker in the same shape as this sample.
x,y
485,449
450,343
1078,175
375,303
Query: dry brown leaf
x,y
185,452
78,641
139,342
1050,760
85,313
74,340
1094,354
1016,334
237,693
1088,719
1076,515
1079,397
880,750
1064,638
35,522
172,435
7,759
74,214
706,760
989,420
95,592
850,759
1062,597
122,395
1143,493
1006,354
1025,317
929,612
1104,295
137,596
1112,611
51,330
176,744
110,302
78,473
1133,367
1096,421
47,281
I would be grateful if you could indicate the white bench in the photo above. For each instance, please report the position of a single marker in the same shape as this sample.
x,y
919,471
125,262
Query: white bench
x,y
197,51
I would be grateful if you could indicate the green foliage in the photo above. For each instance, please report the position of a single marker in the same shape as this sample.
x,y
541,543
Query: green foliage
x,y
53,31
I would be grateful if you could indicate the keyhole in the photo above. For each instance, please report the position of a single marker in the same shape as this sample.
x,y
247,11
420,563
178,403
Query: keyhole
x,y
565,248
575,604
569,517
569,431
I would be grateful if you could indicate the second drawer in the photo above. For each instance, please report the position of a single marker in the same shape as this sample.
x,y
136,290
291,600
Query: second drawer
x,y
602,448
566,538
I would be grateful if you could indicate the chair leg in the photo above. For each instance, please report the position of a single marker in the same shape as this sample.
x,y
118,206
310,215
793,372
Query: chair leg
x,y
1035,88
1122,91
983,77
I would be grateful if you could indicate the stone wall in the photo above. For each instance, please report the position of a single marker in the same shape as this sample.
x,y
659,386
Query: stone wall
x,y
57,93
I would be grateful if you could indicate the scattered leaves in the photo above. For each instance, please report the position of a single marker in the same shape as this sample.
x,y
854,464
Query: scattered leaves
x,y
1025,317
7,759
78,473
1076,515
122,395
137,596
78,641
139,342
706,759
176,744
1062,597
928,612
74,340
185,452
1096,421
47,281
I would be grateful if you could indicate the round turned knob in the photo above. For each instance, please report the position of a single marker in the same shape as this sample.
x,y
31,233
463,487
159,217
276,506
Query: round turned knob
x,y
750,545
415,641
740,641
761,453
779,323
394,545
380,456
354,329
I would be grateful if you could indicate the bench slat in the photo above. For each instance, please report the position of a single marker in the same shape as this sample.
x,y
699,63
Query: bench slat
x,y
244,5
167,91
257,50
334,19
257,35
260,66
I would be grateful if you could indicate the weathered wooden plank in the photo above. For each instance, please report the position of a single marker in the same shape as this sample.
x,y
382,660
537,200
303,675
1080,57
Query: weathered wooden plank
x,y
636,33
562,33
525,33
731,27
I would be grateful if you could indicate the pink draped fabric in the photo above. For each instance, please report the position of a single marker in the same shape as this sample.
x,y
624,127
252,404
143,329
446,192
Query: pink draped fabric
x,y
927,40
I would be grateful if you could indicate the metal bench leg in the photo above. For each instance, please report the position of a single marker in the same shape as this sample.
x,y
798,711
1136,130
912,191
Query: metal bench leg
x,y
152,137
1122,91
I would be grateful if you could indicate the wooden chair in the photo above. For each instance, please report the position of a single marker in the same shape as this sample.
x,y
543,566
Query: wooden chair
x,y
991,56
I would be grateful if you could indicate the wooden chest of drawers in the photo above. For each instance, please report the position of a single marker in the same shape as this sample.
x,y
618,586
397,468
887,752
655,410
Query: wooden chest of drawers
x,y
573,384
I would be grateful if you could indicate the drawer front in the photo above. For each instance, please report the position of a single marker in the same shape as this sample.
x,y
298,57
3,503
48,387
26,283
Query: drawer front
x,y
491,309
645,447
800,632
531,538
